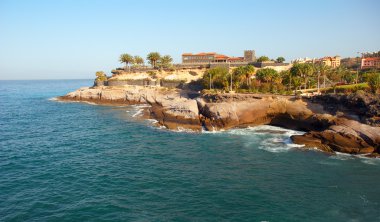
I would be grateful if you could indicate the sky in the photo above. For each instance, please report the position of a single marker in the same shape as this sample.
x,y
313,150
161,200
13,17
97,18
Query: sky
x,y
72,39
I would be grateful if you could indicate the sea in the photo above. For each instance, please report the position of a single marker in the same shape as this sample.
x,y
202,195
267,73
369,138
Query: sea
x,y
72,161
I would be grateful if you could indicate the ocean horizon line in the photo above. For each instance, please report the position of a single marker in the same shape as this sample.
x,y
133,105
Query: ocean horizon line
x,y
42,79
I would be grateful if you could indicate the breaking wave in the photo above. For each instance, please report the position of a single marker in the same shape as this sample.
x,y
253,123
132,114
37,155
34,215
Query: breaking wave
x,y
265,137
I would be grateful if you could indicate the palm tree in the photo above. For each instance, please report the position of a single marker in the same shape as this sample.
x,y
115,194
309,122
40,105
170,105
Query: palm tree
x,y
138,60
303,70
297,82
322,70
153,57
286,76
249,71
216,77
238,76
266,74
126,58
165,61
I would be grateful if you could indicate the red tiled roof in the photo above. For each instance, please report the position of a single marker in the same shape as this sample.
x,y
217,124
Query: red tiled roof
x,y
371,59
220,56
199,54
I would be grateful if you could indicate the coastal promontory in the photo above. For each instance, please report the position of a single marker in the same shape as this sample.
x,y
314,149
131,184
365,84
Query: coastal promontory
x,y
181,109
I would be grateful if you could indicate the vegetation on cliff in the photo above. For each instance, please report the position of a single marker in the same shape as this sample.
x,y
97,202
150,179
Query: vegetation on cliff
x,y
100,76
305,77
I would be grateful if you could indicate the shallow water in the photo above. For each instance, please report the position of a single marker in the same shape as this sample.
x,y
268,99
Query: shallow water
x,y
64,161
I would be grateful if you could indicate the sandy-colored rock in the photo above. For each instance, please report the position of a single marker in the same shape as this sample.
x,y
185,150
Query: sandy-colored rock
x,y
175,110
311,142
113,94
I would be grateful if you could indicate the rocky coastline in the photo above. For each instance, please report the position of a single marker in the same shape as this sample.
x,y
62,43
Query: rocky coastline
x,y
335,124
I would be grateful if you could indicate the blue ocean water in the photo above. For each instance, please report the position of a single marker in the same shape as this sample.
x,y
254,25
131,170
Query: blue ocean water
x,y
81,162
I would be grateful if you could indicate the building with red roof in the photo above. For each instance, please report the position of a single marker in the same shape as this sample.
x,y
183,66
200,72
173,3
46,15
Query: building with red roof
x,y
370,63
213,57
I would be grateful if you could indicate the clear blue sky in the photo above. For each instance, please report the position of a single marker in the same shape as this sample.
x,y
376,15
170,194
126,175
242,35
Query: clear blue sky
x,y
74,38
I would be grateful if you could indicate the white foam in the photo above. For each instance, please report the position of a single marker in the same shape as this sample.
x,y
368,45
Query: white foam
x,y
269,138
361,157
371,161
264,130
54,99
185,130
139,106
138,113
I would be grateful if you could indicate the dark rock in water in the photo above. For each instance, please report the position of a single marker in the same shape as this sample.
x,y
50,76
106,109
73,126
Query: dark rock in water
x,y
346,136
311,142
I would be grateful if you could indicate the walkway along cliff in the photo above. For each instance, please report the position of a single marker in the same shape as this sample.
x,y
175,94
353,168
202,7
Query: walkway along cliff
x,y
329,130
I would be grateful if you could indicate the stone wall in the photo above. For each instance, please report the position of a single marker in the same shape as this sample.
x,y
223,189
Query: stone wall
x,y
136,82
146,82
266,64
172,84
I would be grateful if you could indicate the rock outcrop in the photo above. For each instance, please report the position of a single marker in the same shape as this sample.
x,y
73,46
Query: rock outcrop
x,y
364,106
175,109
346,136
169,107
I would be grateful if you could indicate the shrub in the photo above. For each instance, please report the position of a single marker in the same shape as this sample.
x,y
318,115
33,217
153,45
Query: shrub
x,y
374,82
100,76
152,74
265,87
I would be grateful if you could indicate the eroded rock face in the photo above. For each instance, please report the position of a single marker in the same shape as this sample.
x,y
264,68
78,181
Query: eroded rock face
x,y
281,111
168,106
327,132
346,136
365,105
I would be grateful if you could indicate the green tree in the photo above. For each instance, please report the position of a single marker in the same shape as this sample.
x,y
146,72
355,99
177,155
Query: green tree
x,y
349,77
266,75
153,57
321,70
216,78
249,70
238,76
165,61
302,70
280,59
138,60
100,76
297,82
286,78
263,59
242,75
374,81
337,74
126,58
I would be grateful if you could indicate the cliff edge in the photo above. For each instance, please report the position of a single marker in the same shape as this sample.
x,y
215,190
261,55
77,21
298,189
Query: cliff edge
x,y
339,130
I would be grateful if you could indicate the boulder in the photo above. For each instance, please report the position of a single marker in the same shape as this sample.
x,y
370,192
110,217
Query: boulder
x,y
311,142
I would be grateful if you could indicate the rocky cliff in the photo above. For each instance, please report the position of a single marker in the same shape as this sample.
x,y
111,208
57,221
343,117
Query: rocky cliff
x,y
326,130
172,108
